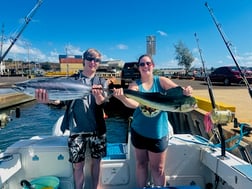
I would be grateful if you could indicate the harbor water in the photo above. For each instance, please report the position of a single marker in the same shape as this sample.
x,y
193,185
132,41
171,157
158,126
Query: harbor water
x,y
39,119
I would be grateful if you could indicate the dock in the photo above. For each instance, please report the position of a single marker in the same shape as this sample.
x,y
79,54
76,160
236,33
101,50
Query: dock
x,y
13,99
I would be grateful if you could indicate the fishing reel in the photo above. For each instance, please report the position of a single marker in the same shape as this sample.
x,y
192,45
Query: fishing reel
x,y
221,117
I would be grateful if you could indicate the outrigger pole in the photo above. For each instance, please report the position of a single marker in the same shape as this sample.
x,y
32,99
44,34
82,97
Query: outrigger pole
x,y
27,20
228,47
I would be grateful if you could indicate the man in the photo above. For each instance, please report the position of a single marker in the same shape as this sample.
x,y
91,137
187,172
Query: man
x,y
84,119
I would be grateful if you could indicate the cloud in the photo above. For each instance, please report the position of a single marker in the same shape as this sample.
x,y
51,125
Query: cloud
x,y
244,59
19,49
121,46
162,33
54,56
72,50
23,50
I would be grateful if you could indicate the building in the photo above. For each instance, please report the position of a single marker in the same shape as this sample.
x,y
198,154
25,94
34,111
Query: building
x,y
168,72
72,64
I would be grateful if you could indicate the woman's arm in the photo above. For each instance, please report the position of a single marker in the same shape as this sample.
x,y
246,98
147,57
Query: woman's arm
x,y
167,83
128,102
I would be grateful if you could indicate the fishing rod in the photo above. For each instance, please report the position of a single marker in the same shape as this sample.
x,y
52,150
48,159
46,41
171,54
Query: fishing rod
x,y
221,117
218,117
207,79
228,47
27,20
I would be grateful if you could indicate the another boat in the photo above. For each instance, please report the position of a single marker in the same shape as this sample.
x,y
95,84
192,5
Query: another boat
x,y
192,163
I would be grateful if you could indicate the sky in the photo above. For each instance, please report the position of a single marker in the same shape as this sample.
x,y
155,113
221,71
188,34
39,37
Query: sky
x,y
118,29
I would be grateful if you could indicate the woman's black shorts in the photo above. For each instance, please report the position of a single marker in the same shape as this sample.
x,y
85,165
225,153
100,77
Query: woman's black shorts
x,y
150,144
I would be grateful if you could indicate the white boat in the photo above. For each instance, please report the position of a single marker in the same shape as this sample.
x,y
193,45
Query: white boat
x,y
192,163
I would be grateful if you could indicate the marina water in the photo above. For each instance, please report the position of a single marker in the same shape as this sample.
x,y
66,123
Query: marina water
x,y
38,119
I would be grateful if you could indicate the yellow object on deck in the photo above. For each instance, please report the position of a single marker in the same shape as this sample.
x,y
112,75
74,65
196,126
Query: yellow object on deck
x,y
205,104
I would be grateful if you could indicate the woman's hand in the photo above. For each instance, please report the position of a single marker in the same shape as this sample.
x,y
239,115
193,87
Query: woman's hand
x,y
97,90
188,90
118,93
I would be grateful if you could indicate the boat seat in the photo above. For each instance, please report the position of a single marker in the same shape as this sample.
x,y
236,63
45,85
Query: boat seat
x,y
116,151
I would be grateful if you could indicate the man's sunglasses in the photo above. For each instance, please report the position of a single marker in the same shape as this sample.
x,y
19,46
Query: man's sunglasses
x,y
89,58
143,63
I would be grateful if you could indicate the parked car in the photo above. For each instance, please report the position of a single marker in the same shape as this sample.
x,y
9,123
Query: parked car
x,y
229,74
129,73
249,70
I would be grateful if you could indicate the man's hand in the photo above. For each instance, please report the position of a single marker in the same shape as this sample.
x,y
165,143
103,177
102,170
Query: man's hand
x,y
41,96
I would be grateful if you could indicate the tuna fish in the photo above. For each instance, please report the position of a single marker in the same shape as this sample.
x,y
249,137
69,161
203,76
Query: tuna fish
x,y
58,88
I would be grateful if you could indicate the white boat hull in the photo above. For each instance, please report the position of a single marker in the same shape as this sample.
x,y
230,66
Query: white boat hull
x,y
190,163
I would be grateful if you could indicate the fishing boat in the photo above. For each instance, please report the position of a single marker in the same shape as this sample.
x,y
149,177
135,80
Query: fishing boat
x,y
193,162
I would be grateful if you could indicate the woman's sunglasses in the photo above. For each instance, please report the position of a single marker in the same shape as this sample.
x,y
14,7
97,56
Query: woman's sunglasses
x,y
143,63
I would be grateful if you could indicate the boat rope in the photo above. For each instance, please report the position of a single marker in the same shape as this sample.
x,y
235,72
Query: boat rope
x,y
203,141
242,133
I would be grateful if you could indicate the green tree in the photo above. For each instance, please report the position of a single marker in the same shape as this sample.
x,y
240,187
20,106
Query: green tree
x,y
183,56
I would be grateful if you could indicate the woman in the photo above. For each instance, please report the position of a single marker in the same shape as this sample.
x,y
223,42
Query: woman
x,y
149,128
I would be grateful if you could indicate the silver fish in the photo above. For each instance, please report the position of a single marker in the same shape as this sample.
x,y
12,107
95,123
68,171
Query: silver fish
x,y
58,88
173,100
